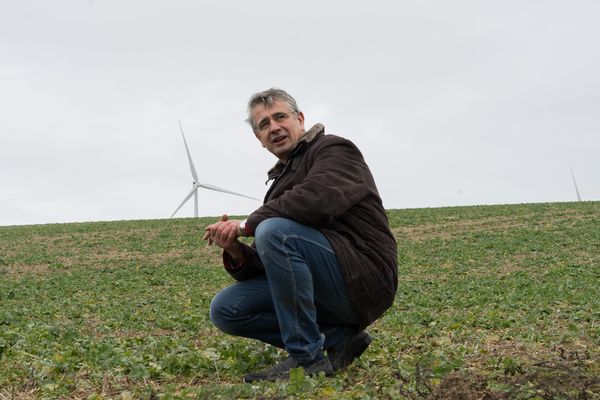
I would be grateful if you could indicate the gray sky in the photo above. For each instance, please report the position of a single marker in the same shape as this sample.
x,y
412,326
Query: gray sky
x,y
452,103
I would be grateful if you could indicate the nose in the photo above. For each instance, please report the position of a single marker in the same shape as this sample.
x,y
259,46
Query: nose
x,y
274,126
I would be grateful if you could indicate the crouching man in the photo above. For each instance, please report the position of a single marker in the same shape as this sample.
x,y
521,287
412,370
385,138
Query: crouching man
x,y
323,265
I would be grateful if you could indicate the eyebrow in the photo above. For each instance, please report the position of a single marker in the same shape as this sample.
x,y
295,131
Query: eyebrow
x,y
273,116
263,120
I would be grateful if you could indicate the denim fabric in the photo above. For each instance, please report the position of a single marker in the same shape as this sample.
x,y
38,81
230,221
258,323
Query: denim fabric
x,y
300,304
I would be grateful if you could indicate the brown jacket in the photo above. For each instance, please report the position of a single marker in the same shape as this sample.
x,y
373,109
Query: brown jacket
x,y
326,184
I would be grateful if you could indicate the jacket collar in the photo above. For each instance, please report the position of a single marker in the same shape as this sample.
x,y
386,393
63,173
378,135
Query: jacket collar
x,y
310,134
305,140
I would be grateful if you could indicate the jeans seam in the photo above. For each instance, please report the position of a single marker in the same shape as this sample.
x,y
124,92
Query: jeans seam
x,y
287,257
290,269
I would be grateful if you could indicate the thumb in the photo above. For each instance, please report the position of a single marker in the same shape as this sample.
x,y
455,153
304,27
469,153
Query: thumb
x,y
224,217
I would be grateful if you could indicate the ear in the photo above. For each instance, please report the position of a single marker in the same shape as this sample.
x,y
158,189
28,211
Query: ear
x,y
301,119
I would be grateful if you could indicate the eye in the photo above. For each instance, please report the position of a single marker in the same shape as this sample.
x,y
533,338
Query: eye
x,y
263,124
280,117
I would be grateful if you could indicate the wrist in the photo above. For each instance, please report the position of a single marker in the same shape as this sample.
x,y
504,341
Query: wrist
x,y
242,228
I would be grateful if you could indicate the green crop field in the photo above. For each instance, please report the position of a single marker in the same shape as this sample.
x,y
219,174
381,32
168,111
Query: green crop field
x,y
494,302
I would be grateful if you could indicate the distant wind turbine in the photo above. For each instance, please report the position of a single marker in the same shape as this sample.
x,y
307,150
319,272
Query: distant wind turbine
x,y
197,184
575,183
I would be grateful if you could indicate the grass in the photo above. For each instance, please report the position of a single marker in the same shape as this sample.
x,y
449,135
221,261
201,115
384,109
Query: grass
x,y
494,302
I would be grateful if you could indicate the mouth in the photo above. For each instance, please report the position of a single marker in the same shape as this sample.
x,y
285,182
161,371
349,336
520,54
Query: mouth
x,y
278,139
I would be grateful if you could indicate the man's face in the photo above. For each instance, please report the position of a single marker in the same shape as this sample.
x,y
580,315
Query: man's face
x,y
278,128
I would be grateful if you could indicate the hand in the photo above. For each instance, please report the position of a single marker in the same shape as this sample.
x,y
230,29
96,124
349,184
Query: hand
x,y
224,234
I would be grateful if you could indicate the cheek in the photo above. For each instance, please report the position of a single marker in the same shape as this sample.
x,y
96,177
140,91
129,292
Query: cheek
x,y
262,142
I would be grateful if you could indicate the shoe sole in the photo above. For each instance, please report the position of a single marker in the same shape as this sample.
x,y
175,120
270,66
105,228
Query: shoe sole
x,y
314,369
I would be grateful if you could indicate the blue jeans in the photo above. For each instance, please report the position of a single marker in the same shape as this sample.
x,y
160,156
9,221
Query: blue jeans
x,y
300,304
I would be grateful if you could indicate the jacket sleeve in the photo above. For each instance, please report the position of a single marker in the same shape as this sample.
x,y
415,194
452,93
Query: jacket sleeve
x,y
335,181
251,266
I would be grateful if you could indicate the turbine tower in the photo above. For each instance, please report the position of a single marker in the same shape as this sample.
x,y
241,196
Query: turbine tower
x,y
197,184
575,183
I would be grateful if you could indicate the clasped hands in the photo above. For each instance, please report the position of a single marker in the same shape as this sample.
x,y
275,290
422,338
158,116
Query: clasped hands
x,y
224,234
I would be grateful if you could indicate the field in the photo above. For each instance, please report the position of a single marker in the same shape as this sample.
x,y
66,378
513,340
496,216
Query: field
x,y
494,302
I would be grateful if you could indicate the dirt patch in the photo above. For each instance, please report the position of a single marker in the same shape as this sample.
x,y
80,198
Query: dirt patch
x,y
108,258
455,228
447,230
19,270
112,256
506,370
549,382
463,386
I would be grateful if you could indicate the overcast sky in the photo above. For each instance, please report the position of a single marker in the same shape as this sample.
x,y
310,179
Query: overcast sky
x,y
452,102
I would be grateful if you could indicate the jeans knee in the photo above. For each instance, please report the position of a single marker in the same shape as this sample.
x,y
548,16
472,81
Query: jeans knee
x,y
218,312
268,229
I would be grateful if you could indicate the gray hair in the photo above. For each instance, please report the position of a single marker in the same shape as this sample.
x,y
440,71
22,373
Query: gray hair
x,y
267,98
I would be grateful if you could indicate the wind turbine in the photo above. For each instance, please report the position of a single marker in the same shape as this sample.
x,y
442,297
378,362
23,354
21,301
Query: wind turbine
x,y
575,183
197,184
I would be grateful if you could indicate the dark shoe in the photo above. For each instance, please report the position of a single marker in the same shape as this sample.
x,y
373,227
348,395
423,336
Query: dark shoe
x,y
355,345
282,370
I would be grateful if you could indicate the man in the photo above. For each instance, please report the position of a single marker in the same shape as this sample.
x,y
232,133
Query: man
x,y
323,265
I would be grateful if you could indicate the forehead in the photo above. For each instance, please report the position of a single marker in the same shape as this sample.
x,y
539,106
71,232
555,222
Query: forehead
x,y
261,111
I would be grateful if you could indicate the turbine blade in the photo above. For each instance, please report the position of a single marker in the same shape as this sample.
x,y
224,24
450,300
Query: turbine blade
x,y
575,183
192,168
194,190
218,189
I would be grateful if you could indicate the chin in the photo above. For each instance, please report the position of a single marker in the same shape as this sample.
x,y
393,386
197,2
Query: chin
x,y
281,152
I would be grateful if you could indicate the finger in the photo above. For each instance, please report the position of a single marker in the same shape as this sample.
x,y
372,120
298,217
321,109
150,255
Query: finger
x,y
232,234
220,234
224,217
210,229
226,233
